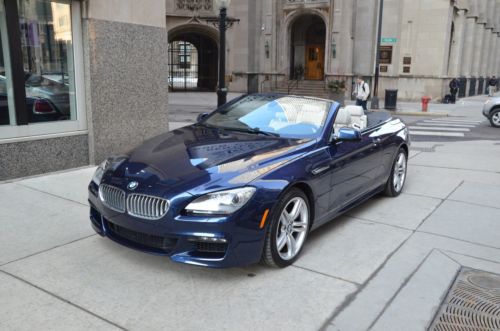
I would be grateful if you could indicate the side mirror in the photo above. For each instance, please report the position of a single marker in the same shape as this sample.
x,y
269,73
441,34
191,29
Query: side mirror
x,y
201,117
348,134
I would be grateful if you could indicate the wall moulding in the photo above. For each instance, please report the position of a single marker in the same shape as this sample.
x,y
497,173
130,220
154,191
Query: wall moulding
x,y
194,5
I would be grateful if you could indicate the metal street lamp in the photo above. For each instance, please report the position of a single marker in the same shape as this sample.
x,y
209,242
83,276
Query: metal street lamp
x,y
223,22
375,104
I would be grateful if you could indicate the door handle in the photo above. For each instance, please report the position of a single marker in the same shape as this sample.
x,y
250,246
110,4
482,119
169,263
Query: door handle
x,y
377,141
319,170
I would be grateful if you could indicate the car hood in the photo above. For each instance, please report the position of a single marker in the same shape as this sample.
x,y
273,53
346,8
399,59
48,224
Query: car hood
x,y
197,159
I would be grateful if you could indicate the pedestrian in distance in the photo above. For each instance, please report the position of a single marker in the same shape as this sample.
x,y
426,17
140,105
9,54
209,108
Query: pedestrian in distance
x,y
453,90
361,92
492,86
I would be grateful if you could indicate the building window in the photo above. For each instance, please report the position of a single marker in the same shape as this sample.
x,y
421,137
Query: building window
x,y
42,84
385,54
185,55
47,49
6,97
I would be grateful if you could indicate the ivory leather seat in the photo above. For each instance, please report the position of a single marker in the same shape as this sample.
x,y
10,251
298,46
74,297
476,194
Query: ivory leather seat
x,y
358,118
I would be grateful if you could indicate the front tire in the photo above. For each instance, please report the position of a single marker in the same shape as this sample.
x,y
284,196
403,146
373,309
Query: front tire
x,y
397,179
495,118
287,230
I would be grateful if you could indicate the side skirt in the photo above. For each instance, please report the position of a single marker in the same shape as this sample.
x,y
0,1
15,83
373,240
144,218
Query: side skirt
x,y
329,217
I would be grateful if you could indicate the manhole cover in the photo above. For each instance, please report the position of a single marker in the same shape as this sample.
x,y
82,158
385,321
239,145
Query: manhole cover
x,y
472,304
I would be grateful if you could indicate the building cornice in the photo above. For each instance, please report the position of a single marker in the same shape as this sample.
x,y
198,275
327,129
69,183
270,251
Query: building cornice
x,y
462,5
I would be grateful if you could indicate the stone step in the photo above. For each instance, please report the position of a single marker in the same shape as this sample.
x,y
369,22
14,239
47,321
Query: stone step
x,y
302,93
306,88
307,85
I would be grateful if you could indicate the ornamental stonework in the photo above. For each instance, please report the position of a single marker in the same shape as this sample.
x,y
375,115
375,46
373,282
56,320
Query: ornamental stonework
x,y
194,5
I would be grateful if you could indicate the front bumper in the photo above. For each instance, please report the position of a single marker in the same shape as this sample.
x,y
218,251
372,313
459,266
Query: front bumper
x,y
235,240
486,111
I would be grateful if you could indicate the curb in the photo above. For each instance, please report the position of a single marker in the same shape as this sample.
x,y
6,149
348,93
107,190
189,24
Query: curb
x,y
419,113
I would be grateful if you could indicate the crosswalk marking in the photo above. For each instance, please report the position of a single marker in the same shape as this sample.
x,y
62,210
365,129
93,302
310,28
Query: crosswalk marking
x,y
439,134
433,128
443,127
450,122
454,120
450,125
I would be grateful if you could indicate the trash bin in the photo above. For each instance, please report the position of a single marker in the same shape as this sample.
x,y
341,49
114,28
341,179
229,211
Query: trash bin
x,y
391,99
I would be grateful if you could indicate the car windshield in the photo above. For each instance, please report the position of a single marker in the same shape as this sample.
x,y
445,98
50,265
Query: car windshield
x,y
286,116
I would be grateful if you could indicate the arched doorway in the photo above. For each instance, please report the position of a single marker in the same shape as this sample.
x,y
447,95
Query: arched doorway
x,y
193,59
308,36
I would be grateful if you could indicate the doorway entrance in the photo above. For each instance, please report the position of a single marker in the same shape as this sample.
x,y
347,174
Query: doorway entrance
x,y
192,58
308,48
315,57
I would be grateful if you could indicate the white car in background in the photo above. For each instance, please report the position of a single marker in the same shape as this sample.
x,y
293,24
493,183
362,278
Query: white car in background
x,y
491,110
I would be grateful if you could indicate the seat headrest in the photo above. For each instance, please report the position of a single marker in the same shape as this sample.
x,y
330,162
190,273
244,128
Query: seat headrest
x,y
355,110
343,117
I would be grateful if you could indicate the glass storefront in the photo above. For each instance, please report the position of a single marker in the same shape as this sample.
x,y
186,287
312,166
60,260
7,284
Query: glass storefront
x,y
6,101
45,43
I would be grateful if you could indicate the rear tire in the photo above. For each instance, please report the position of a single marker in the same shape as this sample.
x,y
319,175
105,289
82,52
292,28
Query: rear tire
x,y
495,118
288,229
397,179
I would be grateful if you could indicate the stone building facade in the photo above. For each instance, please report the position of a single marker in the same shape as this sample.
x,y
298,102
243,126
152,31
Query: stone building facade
x,y
424,43
83,79
79,80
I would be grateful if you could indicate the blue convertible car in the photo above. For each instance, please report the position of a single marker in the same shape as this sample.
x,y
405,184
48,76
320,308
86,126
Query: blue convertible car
x,y
248,182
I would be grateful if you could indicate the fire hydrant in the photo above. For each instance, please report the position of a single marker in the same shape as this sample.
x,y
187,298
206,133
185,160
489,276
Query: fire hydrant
x,y
425,103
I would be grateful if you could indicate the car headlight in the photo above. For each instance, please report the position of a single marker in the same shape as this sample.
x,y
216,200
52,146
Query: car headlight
x,y
222,202
101,169
109,164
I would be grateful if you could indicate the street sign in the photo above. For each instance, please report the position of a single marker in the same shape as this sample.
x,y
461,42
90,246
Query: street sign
x,y
389,40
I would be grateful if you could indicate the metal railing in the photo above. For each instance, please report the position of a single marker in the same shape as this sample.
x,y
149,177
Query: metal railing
x,y
292,84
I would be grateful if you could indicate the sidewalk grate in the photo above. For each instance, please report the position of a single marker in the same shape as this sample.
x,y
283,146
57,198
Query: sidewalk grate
x,y
472,304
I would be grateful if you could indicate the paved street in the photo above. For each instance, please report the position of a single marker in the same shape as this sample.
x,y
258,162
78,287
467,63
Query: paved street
x,y
386,265
463,121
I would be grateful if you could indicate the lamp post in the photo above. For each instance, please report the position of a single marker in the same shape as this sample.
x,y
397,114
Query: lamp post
x,y
375,104
223,22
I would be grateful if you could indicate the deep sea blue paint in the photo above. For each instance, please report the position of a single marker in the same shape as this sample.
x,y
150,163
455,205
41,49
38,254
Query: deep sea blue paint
x,y
184,164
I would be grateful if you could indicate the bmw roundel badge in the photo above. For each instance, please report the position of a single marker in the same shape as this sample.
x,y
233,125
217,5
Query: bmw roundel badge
x,y
132,185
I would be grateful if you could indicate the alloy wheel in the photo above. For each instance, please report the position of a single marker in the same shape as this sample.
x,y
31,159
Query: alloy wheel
x,y
496,118
292,228
399,172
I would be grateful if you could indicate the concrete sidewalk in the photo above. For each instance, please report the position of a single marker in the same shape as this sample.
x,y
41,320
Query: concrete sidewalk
x,y
386,265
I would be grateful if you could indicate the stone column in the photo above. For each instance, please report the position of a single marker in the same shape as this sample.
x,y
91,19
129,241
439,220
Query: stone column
x,y
496,59
493,54
468,49
488,39
125,48
478,47
485,52
457,44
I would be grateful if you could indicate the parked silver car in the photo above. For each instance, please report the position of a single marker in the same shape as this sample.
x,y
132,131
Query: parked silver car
x,y
491,110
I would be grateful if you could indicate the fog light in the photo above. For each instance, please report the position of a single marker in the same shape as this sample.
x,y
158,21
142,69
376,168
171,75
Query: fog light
x,y
217,240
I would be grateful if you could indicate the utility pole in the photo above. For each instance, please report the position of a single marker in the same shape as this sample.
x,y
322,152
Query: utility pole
x,y
222,22
375,103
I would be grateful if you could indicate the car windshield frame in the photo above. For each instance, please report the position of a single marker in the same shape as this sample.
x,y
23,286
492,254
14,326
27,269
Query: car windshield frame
x,y
311,126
